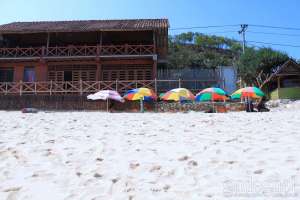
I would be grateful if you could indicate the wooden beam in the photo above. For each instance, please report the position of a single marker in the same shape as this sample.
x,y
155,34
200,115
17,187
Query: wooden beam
x,y
154,41
100,42
99,72
48,41
127,62
154,68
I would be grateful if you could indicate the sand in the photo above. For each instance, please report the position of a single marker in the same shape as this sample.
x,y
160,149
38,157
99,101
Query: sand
x,y
172,156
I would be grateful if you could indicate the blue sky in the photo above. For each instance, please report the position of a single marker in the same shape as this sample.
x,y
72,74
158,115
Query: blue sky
x,y
181,13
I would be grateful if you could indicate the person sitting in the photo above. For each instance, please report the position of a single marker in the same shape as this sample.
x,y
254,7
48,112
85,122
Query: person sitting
x,y
249,106
261,106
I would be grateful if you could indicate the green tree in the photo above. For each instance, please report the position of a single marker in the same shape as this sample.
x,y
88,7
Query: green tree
x,y
197,49
256,65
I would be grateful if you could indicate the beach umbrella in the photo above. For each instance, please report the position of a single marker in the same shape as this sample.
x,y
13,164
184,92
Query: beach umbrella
x,y
106,95
141,94
178,94
211,94
248,92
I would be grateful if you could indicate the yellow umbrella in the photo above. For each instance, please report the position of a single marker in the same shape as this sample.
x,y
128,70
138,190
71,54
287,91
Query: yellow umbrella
x,y
178,94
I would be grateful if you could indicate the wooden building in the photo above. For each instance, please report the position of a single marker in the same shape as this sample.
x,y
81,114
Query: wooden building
x,y
284,83
80,56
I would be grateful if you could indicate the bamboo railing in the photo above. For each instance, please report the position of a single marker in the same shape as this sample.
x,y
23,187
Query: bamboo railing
x,y
77,51
86,87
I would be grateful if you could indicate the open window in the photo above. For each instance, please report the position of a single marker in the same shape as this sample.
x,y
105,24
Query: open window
x,y
6,74
29,74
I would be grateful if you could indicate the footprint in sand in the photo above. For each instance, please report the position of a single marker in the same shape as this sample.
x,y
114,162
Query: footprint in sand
x,y
184,158
155,168
260,171
13,193
134,165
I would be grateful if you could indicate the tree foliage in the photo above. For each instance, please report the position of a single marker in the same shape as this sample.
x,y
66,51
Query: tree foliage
x,y
256,65
197,49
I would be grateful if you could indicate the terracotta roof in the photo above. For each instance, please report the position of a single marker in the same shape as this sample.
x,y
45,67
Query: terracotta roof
x,y
84,25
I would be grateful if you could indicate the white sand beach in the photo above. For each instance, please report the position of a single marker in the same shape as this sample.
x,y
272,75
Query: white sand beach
x,y
172,156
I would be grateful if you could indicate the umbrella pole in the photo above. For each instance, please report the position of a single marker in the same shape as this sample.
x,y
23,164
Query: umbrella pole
x,y
141,105
212,102
106,105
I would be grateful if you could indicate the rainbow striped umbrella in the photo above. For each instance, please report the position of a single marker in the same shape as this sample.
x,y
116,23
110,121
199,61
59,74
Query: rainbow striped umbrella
x,y
178,94
211,94
140,94
250,92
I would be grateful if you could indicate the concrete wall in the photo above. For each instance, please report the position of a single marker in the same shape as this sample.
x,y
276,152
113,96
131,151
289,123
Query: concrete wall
x,y
228,76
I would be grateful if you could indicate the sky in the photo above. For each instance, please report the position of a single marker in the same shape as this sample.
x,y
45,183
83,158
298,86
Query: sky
x,y
181,14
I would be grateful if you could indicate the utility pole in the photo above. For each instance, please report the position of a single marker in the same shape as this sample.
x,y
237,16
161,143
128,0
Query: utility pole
x,y
243,33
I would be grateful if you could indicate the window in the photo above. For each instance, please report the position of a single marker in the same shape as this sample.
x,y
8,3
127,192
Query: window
x,y
67,75
29,74
7,75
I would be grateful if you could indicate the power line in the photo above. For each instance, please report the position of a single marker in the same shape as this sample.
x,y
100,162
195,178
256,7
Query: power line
x,y
220,32
203,27
236,25
275,44
270,33
275,27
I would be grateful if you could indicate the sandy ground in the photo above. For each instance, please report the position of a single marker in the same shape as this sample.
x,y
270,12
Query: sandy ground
x,y
94,155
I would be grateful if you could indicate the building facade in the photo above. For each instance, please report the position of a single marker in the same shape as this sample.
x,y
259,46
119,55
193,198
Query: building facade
x,y
80,56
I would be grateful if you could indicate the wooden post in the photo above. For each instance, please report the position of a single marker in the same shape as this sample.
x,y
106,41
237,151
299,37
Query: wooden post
x,y
154,67
154,42
155,85
48,41
43,52
278,82
6,88
117,85
21,87
126,49
100,42
80,86
34,87
98,72
179,83
50,87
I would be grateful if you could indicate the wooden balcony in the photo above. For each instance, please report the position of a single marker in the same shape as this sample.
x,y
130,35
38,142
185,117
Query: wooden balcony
x,y
87,87
77,51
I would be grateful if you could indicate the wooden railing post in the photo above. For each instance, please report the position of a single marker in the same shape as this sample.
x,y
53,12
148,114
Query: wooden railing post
x,y
50,87
34,87
126,49
179,83
6,88
98,50
43,52
80,87
21,88
117,85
